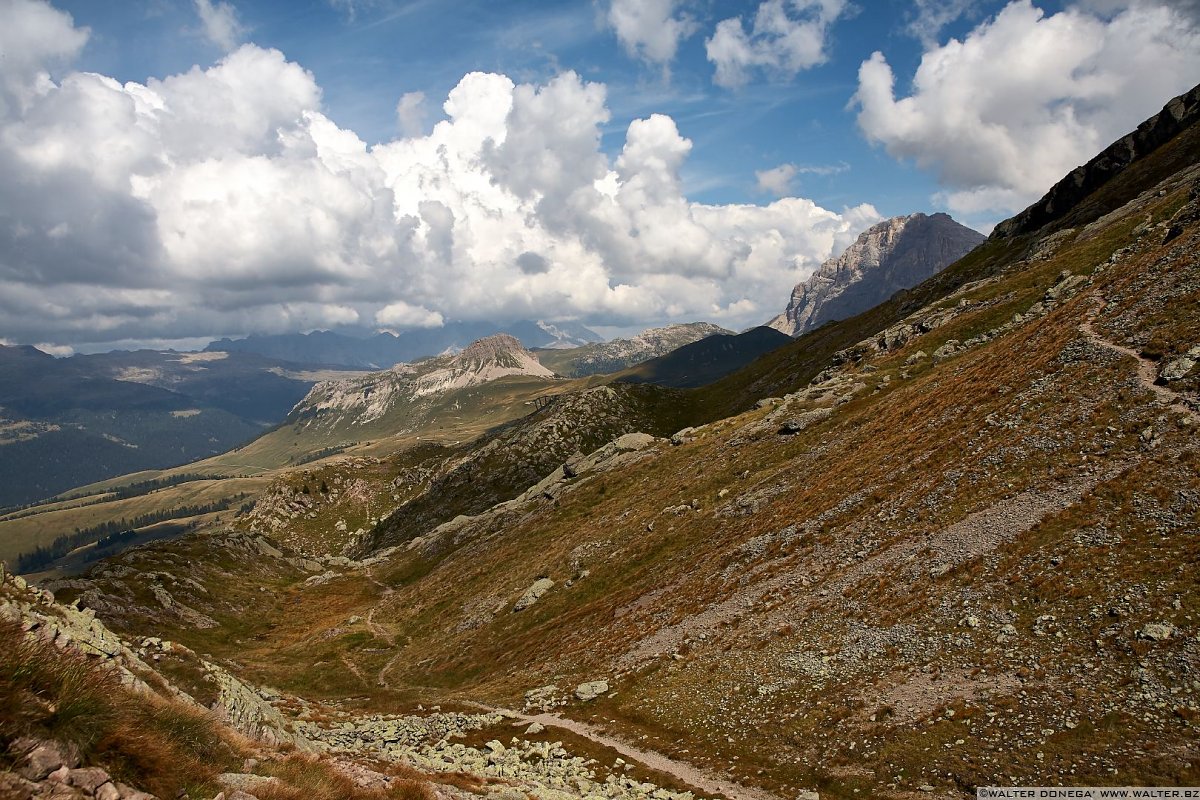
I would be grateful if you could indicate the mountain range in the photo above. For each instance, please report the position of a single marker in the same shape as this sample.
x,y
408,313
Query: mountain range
x,y
383,350
68,422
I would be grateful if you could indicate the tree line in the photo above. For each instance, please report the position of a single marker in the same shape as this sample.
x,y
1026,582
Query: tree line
x,y
111,532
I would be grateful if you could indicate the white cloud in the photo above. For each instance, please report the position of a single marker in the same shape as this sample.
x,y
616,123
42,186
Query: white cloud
x,y
1071,83
403,315
650,29
34,39
56,350
787,36
411,113
777,180
929,17
222,201
221,24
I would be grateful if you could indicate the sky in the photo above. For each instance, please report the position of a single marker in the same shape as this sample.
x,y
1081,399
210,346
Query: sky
x,y
174,171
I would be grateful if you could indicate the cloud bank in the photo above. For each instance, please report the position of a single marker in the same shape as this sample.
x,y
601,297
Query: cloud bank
x,y
223,201
1026,97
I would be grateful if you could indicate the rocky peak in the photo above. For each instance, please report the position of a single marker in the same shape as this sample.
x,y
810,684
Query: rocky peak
x,y
499,349
365,399
895,254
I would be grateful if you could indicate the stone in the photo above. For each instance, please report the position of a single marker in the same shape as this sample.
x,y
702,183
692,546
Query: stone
x,y
129,793
1157,631
16,787
108,792
634,441
88,779
44,759
915,357
683,436
807,794
1176,369
590,690
948,349
803,421
533,594
573,465
541,697
534,729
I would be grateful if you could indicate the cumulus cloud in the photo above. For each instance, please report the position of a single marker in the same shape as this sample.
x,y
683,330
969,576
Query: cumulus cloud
x,y
1072,83
34,39
403,315
650,29
222,201
786,36
777,180
411,113
221,24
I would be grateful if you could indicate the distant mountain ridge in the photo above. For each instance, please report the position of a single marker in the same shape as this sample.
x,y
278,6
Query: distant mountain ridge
x,y
895,254
707,360
71,421
385,350
619,354
363,400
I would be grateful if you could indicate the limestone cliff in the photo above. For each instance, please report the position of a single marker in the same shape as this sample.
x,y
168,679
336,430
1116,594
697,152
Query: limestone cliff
x,y
896,254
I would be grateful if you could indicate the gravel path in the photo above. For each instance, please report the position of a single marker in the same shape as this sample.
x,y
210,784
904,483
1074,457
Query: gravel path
x,y
681,770
1147,370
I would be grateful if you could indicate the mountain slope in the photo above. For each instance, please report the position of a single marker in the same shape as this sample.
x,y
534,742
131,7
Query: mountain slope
x,y
618,354
895,254
62,424
706,360
251,386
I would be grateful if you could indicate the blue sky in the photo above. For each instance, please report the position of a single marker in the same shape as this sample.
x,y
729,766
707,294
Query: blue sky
x,y
173,171
366,60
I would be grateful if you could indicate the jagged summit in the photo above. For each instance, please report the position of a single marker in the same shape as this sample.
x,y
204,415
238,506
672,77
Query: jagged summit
x,y
895,254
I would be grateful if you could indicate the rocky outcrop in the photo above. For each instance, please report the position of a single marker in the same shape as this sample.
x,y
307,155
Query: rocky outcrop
x,y
896,254
533,594
1179,114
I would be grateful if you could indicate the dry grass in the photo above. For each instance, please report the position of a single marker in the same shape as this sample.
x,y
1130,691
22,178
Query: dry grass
x,y
305,777
160,745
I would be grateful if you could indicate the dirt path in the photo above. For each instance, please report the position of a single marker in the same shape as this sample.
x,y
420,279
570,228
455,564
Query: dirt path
x,y
354,669
380,632
680,770
1147,370
377,630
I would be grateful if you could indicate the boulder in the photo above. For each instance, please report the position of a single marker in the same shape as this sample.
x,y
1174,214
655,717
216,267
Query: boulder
x,y
45,758
591,690
1157,631
533,594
